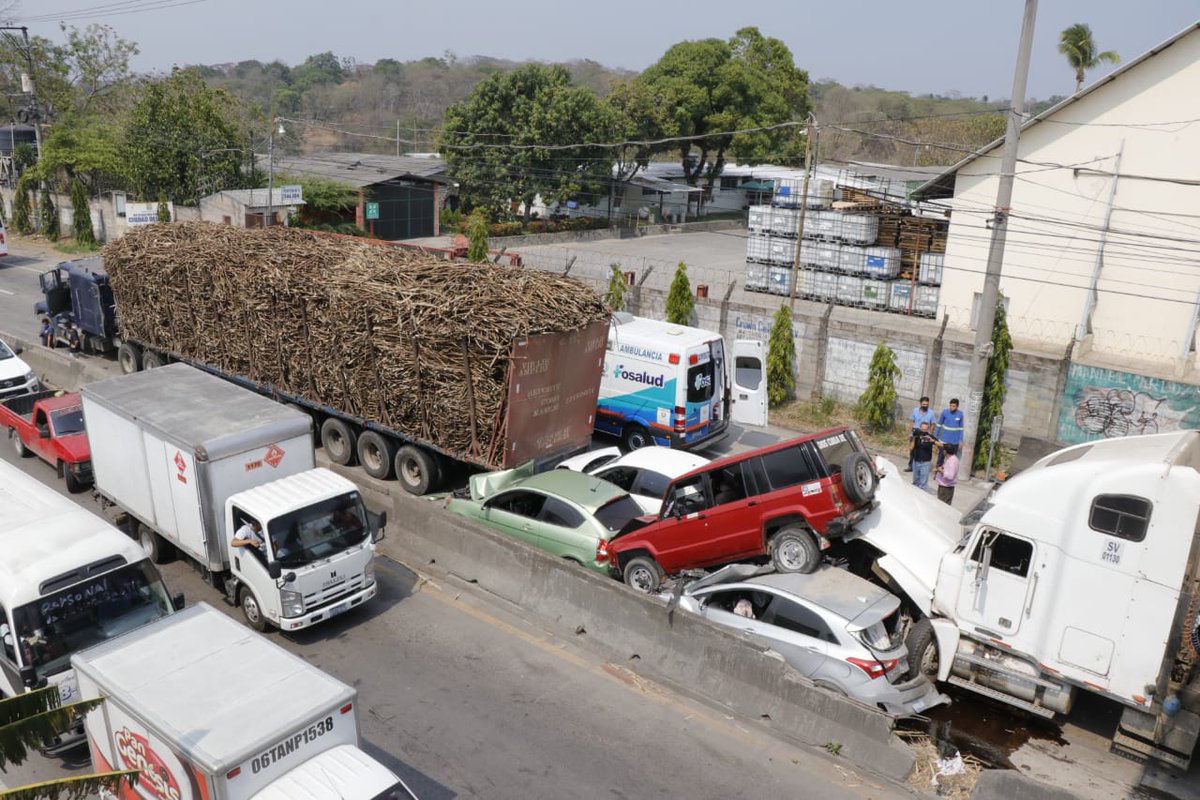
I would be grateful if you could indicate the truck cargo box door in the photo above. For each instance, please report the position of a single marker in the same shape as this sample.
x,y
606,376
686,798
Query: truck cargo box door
x,y
749,383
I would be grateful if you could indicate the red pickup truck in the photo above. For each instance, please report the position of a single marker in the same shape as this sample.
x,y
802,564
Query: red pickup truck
x,y
50,425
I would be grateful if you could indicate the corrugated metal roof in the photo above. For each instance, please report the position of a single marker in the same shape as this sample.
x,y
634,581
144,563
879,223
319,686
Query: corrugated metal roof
x,y
359,169
943,181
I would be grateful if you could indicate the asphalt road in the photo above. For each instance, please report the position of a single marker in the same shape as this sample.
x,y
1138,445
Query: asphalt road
x,y
464,698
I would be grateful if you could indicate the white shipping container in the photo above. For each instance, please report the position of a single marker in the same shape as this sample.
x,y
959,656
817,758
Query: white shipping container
x,y
758,219
901,297
781,251
881,262
875,293
931,265
756,277
758,248
820,194
784,221
858,228
820,285
821,224
850,290
788,192
780,280
925,301
852,259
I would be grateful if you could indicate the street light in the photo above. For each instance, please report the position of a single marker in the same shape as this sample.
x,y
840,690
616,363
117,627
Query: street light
x,y
277,127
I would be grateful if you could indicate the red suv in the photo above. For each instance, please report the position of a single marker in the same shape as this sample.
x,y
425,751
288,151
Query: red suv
x,y
786,500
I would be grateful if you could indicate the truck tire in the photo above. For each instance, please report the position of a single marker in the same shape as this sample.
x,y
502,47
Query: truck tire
x,y
858,478
339,439
18,446
129,356
74,485
642,574
376,454
153,360
922,650
635,437
157,549
251,611
793,549
416,470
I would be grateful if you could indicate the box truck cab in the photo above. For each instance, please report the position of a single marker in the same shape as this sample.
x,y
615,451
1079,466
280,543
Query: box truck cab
x,y
68,580
187,459
208,710
663,384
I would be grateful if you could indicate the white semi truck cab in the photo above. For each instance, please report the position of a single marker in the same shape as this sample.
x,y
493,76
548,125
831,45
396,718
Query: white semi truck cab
x,y
187,459
1082,573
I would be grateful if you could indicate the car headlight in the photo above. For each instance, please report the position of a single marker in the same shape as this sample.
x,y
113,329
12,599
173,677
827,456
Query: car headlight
x,y
30,376
291,604
369,573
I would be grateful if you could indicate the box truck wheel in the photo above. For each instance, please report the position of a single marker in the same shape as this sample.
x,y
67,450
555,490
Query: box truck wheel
x,y
129,356
251,610
339,439
19,446
416,469
376,453
157,549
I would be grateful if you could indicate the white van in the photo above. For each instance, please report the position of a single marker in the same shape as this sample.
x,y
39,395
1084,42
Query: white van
x,y
3,239
15,375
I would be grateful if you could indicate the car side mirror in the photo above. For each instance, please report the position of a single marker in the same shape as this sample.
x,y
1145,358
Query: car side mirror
x,y
177,602
18,350
274,570
44,433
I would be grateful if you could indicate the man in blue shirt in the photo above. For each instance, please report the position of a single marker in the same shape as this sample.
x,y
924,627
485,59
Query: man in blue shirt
x,y
922,413
950,428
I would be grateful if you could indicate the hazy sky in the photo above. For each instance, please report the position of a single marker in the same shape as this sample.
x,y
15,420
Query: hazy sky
x,y
919,46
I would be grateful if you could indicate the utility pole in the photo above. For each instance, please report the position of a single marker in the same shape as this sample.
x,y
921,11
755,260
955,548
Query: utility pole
x,y
991,280
28,87
277,122
808,137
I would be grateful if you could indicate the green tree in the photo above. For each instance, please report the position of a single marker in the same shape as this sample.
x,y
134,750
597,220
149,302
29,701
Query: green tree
x,y
524,134
680,302
477,234
1078,45
26,722
183,135
781,359
81,214
877,405
710,87
614,298
87,148
994,388
321,195
22,208
164,210
49,214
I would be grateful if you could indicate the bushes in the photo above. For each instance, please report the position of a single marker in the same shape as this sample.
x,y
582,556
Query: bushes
x,y
781,359
877,405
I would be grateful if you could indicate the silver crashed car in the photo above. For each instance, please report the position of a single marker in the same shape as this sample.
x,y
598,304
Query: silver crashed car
x,y
830,625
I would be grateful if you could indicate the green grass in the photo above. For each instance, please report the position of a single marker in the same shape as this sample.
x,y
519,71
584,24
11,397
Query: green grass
x,y
70,248
827,412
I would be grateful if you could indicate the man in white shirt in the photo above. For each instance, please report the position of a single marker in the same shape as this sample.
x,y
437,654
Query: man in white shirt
x,y
250,535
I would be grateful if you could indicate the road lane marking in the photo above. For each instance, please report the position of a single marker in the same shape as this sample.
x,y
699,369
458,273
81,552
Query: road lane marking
x,y
7,292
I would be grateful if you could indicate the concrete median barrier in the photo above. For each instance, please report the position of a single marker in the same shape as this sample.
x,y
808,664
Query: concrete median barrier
x,y
56,368
686,652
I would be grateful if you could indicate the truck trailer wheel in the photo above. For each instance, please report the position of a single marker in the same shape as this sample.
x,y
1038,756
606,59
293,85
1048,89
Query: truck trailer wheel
x,y
157,549
251,610
376,454
922,650
416,470
129,356
339,440
153,360
18,446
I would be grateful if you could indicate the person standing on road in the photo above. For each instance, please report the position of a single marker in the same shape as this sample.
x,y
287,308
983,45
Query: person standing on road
x,y
921,453
921,413
73,343
47,333
949,428
947,475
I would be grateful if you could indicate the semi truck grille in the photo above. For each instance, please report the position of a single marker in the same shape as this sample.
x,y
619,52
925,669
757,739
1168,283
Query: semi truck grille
x,y
316,600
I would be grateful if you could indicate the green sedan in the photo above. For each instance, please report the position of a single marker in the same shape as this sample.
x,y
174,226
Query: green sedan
x,y
564,512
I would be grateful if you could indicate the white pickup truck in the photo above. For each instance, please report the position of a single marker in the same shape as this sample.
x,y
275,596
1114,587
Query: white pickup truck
x,y
1081,573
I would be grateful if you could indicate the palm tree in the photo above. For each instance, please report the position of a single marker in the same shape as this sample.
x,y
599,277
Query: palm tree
x,y
26,721
1077,44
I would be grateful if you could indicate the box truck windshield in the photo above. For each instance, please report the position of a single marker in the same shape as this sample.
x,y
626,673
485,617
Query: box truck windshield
x,y
318,531
63,622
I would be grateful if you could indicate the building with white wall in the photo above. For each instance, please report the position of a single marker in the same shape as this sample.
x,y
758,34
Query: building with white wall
x,y
1103,245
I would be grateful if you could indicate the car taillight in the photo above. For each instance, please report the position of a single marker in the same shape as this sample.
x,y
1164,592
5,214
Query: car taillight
x,y
602,551
680,418
873,668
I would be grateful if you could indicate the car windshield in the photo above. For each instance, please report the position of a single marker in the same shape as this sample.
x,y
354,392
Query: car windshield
x,y
5,353
397,791
67,421
836,447
53,627
318,531
617,513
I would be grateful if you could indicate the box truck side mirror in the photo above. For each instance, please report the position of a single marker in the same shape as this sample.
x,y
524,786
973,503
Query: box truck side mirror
x,y
274,570
380,522
177,601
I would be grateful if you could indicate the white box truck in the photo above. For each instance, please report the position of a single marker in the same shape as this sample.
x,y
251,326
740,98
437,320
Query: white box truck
x,y
1081,573
188,458
208,710
68,579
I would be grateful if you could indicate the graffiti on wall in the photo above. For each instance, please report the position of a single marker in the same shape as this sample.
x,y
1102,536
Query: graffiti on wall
x,y
1103,403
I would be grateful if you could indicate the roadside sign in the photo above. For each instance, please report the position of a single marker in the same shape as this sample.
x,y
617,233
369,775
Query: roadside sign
x,y
372,211
292,193
144,213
